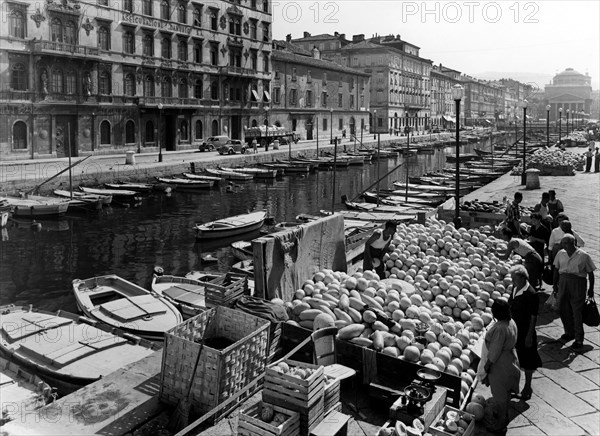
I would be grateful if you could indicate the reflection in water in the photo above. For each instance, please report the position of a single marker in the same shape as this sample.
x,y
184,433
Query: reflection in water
x,y
38,267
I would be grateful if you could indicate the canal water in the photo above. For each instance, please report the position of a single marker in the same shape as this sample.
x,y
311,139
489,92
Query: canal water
x,y
38,265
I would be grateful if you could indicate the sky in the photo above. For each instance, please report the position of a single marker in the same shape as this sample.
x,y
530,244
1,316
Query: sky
x,y
540,37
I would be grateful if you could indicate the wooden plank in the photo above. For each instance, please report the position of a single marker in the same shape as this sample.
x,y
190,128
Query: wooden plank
x,y
258,249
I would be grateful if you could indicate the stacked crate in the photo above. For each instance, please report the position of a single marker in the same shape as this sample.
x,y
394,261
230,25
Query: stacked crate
x,y
225,290
331,395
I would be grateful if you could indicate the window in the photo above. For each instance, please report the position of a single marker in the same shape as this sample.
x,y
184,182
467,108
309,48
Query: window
x,y
19,135
147,7
253,27
351,101
197,14
18,78
182,13
198,130
214,16
130,132
253,4
198,52
309,98
182,51
149,86
235,25
57,84
104,132
128,5
129,85
16,24
340,124
324,78
198,89
149,131
308,77
277,95
293,96
70,34
71,82
183,89
56,30
214,90
215,128
183,131
340,100
165,48
165,10
266,32
214,54
129,42
103,2
166,87
104,83
253,60
148,45
324,98
293,74
265,6
324,124
265,62
235,57
103,38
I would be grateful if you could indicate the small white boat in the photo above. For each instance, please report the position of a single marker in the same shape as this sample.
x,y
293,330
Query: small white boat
x,y
242,250
103,199
37,206
119,303
67,350
185,183
185,293
259,173
231,226
229,175
116,193
202,177
138,187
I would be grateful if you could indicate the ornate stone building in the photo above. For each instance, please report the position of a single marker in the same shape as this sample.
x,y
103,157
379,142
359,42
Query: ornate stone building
x,y
569,90
483,101
443,108
316,97
98,76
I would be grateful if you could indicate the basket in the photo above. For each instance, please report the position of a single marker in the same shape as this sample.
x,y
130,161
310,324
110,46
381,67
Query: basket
x,y
225,290
221,372
250,424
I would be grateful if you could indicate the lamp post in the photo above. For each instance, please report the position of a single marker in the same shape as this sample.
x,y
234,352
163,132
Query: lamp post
x,y
457,95
317,132
331,126
548,126
407,130
376,124
160,108
568,111
267,129
524,106
559,124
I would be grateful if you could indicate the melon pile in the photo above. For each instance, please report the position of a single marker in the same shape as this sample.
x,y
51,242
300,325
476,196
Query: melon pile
x,y
552,158
448,280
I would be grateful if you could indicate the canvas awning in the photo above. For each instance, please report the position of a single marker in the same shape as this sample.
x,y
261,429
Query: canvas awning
x,y
255,95
449,119
267,96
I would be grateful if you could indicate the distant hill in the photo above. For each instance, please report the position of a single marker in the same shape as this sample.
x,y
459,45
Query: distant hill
x,y
538,79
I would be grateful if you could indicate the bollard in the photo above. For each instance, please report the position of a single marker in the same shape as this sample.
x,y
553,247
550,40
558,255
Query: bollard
x,y
130,158
532,179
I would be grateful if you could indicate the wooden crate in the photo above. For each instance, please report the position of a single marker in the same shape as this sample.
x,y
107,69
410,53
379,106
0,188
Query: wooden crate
x,y
225,290
220,372
274,346
431,409
331,393
437,431
250,424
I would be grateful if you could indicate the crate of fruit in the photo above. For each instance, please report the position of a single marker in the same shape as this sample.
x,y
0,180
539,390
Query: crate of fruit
x,y
269,420
451,421
225,290
331,393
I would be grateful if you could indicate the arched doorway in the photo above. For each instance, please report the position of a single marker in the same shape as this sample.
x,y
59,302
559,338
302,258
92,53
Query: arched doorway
x,y
309,129
254,123
215,128
352,127
199,134
395,122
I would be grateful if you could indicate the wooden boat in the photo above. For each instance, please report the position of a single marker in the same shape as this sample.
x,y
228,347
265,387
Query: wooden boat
x,y
377,217
105,200
244,267
186,294
121,194
298,168
186,183
37,206
22,387
119,303
242,250
386,208
371,197
259,173
463,157
138,187
65,349
229,175
202,177
231,226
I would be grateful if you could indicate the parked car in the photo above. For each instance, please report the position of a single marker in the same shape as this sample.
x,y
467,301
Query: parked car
x,y
214,143
233,146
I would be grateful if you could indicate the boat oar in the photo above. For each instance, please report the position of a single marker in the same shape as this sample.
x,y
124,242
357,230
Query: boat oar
x,y
180,417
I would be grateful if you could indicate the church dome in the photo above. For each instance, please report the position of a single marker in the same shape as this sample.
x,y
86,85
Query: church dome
x,y
571,77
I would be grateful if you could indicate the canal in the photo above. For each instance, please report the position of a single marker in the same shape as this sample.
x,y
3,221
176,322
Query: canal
x,y
37,265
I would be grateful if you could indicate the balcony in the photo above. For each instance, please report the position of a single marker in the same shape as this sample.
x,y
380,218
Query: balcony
x,y
170,101
63,47
237,71
12,95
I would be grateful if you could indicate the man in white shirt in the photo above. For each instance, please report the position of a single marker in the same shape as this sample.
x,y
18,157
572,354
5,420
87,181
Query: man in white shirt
x,y
572,267
557,234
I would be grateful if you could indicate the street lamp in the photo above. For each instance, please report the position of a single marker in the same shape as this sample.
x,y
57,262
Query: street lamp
x,y
559,124
331,126
524,106
160,108
267,129
457,95
376,125
407,129
317,132
568,112
548,126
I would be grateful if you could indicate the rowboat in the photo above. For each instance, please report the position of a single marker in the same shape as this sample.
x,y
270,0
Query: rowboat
x,y
231,226
378,217
185,293
242,250
229,175
202,177
120,303
244,267
37,206
463,157
67,350
288,168
371,197
121,194
103,199
259,173
186,183
386,208
21,387
138,187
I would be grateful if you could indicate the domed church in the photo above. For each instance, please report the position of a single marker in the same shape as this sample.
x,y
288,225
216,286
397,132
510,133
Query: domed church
x,y
572,91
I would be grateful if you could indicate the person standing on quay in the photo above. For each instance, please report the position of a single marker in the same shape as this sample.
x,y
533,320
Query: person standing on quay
x,y
538,234
524,302
555,207
572,265
513,215
588,159
543,210
597,160
532,261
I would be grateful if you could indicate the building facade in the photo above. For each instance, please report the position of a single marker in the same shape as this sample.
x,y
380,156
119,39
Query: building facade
x,y
569,90
93,77
443,107
483,101
315,97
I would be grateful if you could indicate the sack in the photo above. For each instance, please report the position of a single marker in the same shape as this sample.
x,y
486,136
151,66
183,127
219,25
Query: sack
x,y
591,317
547,276
552,302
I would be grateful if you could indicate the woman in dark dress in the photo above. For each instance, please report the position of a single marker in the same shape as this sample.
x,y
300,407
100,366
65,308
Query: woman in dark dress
x,y
538,235
524,303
